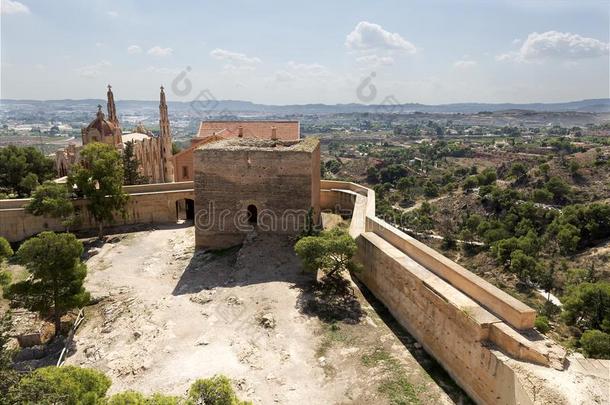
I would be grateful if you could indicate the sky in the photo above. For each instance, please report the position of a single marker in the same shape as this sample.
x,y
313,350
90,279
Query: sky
x,y
288,52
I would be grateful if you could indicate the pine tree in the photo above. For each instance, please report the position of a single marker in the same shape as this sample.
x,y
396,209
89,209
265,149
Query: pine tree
x,y
57,275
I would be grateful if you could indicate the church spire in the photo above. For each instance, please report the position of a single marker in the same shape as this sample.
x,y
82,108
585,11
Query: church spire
x,y
164,130
165,137
112,117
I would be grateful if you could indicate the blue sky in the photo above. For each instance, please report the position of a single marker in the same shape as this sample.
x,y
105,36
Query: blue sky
x,y
280,52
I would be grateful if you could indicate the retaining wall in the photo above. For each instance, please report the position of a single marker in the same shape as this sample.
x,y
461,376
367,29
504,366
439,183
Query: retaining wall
x,y
467,324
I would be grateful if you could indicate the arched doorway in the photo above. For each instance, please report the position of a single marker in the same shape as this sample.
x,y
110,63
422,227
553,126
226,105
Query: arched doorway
x,y
252,214
185,209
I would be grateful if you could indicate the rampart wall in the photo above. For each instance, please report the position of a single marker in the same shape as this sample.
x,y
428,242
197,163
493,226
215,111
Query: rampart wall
x,y
471,327
148,204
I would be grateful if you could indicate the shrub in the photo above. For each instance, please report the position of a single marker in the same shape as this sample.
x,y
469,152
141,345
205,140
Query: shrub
x,y
5,249
470,183
214,391
60,385
542,324
596,344
136,398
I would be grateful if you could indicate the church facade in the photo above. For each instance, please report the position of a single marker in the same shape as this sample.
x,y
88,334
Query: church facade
x,y
153,153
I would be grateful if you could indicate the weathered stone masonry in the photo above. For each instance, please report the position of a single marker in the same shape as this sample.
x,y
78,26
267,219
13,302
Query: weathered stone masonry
x,y
278,180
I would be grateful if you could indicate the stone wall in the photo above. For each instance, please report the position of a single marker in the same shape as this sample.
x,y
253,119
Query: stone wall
x,y
148,204
281,179
467,324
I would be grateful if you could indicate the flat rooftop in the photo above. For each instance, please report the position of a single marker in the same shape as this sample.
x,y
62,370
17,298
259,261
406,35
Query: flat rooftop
x,y
303,145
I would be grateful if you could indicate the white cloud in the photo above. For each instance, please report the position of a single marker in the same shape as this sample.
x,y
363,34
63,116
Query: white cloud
x,y
375,60
235,58
159,51
13,7
369,36
464,64
91,71
133,49
99,44
112,13
558,46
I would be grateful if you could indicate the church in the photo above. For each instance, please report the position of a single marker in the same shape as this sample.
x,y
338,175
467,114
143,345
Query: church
x,y
153,153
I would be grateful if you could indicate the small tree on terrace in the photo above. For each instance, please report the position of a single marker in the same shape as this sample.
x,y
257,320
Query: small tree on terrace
x,y
99,178
57,275
332,252
53,200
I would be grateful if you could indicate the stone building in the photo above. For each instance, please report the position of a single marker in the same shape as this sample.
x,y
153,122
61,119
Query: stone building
x,y
245,184
211,131
154,153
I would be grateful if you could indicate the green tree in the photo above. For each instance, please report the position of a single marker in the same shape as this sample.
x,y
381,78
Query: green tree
x,y
333,166
5,249
99,178
29,183
595,344
560,189
5,252
17,162
588,306
67,385
57,275
470,183
526,267
372,175
331,252
519,171
131,173
52,200
568,237
544,170
430,189
214,391
487,177
541,195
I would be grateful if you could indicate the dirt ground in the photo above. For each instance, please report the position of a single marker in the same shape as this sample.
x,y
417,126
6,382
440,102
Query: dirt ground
x,y
168,315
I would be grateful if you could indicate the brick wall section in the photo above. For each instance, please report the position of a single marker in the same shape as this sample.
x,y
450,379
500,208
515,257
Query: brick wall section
x,y
281,181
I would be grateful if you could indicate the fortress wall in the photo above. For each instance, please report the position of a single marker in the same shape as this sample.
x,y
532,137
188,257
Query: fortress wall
x,y
513,311
460,319
148,204
448,324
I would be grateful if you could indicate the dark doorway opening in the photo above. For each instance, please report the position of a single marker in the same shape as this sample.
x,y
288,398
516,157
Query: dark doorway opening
x,y
190,209
185,209
252,214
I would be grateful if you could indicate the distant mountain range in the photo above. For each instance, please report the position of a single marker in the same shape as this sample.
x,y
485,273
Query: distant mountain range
x,y
235,106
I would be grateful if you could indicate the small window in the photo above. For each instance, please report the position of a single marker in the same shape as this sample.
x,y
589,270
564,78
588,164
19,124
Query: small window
x,y
252,214
185,172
